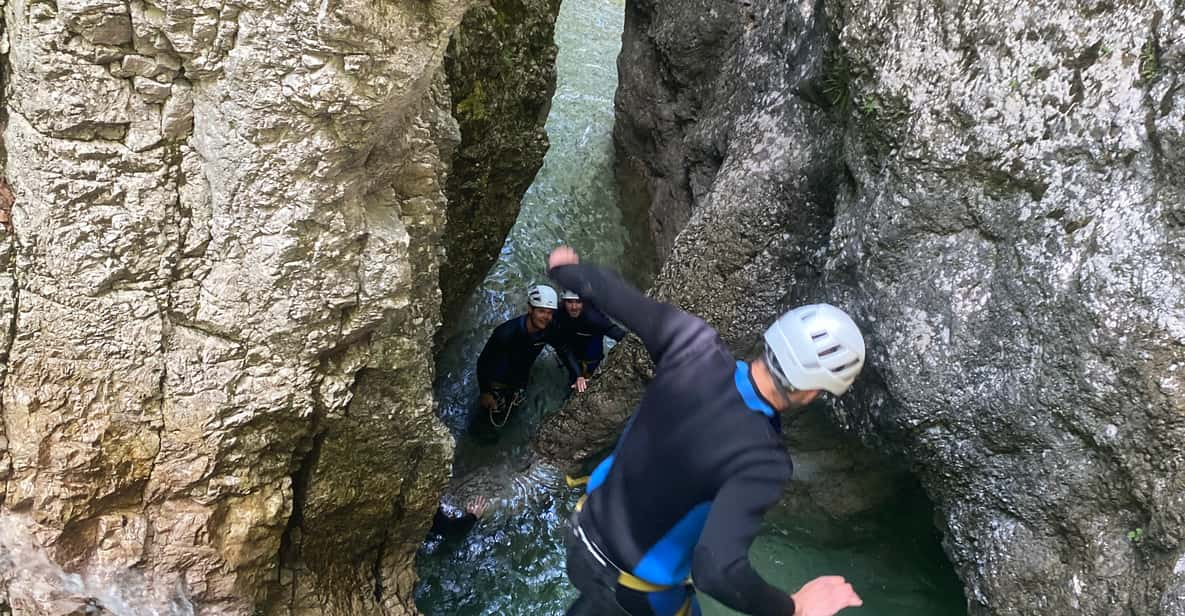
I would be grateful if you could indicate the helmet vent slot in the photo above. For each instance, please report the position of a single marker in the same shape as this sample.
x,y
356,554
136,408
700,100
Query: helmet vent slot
x,y
828,351
847,366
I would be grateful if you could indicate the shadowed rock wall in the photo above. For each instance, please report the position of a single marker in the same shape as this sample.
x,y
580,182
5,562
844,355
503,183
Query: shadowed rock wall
x,y
995,193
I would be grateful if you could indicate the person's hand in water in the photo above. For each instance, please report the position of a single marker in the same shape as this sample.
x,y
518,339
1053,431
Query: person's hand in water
x,y
562,255
477,506
824,596
580,385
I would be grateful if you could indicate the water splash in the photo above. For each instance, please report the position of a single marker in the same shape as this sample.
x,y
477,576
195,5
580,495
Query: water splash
x,y
36,585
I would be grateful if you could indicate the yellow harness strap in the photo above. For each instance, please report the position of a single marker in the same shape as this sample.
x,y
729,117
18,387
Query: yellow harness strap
x,y
634,582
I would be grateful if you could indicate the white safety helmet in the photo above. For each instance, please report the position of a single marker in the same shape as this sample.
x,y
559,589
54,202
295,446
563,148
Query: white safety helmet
x,y
541,296
566,295
815,347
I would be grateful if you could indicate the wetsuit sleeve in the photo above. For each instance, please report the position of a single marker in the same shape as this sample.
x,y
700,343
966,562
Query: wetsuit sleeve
x,y
721,564
491,354
661,326
606,327
447,526
563,350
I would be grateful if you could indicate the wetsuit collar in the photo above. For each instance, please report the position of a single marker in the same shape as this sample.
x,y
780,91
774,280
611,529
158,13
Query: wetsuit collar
x,y
749,393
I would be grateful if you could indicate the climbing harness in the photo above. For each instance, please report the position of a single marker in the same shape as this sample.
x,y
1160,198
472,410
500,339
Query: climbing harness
x,y
500,397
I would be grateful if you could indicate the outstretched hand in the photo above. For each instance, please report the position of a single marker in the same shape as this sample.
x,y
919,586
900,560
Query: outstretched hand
x,y
824,596
478,506
562,255
580,385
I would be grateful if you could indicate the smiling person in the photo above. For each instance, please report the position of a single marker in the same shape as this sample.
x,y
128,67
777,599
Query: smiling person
x,y
582,329
504,366
701,460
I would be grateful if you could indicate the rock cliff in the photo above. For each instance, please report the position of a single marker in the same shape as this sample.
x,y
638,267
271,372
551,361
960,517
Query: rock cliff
x,y
994,191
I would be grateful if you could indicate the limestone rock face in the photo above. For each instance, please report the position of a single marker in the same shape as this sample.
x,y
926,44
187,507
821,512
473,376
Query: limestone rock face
x,y
995,193
220,291
501,69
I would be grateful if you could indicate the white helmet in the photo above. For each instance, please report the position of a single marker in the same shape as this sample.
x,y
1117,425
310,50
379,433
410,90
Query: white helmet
x,y
541,296
815,347
569,295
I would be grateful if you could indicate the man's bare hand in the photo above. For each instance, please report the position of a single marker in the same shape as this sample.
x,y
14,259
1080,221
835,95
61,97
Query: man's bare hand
x,y
563,255
824,596
580,385
488,402
478,506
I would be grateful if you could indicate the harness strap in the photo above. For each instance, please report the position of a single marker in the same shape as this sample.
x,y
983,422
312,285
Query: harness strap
x,y
624,578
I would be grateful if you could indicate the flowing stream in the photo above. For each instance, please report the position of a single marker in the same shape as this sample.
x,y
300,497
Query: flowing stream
x,y
513,561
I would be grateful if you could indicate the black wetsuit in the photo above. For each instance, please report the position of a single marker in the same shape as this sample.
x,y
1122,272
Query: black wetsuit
x,y
452,523
691,477
504,366
585,337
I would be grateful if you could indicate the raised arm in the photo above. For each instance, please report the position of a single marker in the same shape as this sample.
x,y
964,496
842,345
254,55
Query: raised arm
x,y
662,327
603,323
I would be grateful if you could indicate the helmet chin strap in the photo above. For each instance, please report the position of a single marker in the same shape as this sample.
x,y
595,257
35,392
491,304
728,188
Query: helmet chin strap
x,y
775,370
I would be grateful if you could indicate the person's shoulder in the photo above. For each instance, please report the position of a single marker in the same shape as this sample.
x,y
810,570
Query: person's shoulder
x,y
508,327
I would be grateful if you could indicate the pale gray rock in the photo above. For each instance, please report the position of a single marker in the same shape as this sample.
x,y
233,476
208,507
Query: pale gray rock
x,y
176,120
220,291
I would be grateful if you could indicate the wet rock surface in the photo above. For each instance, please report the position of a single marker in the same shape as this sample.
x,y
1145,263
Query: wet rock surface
x,y
501,68
220,292
994,194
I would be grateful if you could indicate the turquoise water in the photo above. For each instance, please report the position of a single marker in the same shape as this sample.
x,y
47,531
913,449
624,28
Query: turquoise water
x,y
513,562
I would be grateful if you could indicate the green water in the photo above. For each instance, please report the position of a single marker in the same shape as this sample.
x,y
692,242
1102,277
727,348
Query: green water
x,y
513,562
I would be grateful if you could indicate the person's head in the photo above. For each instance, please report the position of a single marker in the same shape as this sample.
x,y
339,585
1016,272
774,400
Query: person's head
x,y
541,304
573,305
811,349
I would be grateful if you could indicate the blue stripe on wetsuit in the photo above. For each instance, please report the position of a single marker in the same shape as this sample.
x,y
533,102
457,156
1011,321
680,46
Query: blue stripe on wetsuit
x,y
599,474
748,394
668,562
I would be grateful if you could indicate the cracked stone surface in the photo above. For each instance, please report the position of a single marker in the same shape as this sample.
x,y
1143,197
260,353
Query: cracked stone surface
x,y
501,67
994,191
220,292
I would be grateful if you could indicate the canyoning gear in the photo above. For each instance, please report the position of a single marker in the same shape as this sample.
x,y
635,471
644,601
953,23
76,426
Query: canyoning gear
x,y
505,402
511,351
566,295
606,589
542,296
576,482
486,422
815,347
503,369
685,489
585,336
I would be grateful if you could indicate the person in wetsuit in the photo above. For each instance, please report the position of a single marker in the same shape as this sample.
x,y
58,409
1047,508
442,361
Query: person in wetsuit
x,y
700,461
452,522
504,365
583,329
